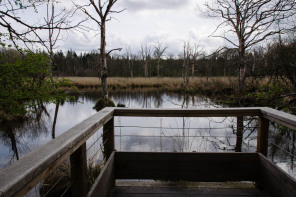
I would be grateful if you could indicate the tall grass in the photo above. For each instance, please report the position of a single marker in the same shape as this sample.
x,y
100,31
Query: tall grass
x,y
163,82
208,85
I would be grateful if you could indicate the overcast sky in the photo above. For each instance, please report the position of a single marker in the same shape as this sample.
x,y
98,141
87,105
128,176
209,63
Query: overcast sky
x,y
172,22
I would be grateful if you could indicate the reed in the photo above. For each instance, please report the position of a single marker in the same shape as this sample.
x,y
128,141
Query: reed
x,y
210,85
83,82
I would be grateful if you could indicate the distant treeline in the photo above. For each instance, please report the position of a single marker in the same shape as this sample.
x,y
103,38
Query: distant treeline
x,y
276,59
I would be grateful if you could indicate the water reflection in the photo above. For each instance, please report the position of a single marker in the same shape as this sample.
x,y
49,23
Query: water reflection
x,y
181,134
142,134
16,137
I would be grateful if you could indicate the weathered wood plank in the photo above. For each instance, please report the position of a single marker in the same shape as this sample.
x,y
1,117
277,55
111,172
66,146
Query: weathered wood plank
x,y
275,180
79,172
108,138
262,135
197,167
217,112
280,117
173,191
105,181
18,178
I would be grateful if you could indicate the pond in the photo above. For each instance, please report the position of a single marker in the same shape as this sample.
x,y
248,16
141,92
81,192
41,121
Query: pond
x,y
138,134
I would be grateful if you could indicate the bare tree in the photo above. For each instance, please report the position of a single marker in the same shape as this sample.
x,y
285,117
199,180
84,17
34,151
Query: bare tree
x,y
145,54
103,9
158,53
56,22
186,63
29,32
16,29
251,22
195,53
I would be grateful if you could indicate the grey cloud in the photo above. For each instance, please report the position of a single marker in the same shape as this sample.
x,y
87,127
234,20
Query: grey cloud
x,y
139,5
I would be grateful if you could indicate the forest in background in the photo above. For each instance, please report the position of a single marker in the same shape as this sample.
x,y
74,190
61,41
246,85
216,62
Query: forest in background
x,y
276,59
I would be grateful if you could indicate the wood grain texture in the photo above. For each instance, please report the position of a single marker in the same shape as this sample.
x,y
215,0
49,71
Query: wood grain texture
x,y
199,167
79,172
262,135
280,117
217,112
172,191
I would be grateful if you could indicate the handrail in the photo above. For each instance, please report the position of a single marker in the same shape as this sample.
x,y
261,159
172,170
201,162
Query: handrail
x,y
214,112
279,117
29,170
270,114
21,176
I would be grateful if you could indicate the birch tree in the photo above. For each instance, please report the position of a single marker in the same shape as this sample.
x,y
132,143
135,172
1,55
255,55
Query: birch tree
x,y
250,22
103,10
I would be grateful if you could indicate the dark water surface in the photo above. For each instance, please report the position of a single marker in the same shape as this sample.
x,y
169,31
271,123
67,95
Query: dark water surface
x,y
137,134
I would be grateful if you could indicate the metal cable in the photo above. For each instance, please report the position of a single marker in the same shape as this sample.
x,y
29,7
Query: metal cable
x,y
174,136
283,150
94,143
53,186
175,128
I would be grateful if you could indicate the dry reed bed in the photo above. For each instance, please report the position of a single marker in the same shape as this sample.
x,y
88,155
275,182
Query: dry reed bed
x,y
208,85
165,82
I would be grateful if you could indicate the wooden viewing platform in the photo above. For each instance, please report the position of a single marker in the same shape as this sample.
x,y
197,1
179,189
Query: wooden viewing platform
x,y
194,167
168,171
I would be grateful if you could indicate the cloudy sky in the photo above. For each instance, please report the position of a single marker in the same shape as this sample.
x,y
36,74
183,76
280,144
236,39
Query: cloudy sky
x,y
171,22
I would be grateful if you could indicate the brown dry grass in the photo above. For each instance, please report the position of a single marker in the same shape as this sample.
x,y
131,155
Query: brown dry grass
x,y
197,84
165,82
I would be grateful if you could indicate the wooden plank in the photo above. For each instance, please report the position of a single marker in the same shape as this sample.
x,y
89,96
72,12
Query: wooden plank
x,y
199,167
217,112
105,181
275,180
18,178
108,138
172,191
79,172
187,184
280,117
239,133
262,136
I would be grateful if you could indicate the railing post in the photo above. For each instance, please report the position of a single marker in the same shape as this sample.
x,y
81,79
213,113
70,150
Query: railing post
x,y
262,136
79,172
239,133
108,138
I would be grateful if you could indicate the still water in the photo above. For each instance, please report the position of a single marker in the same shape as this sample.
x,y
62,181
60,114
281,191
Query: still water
x,y
137,134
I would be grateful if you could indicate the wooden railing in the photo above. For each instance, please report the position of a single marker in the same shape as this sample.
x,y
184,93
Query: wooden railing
x,y
21,176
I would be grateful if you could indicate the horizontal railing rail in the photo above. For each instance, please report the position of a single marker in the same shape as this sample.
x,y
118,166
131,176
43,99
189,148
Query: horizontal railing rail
x,y
18,178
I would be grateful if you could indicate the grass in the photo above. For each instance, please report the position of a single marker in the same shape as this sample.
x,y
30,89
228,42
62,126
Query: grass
x,y
169,83
203,85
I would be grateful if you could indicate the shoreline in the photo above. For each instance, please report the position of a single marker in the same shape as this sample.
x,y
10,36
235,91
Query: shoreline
x,y
174,84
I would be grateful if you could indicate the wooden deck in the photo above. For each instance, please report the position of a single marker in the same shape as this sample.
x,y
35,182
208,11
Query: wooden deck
x,y
20,177
180,192
173,189
123,169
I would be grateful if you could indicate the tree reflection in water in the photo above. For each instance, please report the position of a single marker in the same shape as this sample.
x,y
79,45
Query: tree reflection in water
x,y
18,134
145,134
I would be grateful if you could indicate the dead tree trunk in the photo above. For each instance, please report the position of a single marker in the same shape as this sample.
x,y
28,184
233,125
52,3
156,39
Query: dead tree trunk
x,y
103,63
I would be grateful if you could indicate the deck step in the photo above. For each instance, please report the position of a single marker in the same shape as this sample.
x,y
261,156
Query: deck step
x,y
172,189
